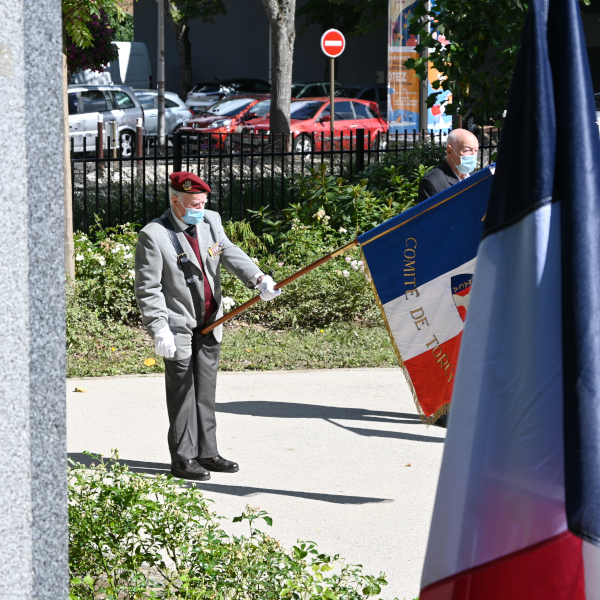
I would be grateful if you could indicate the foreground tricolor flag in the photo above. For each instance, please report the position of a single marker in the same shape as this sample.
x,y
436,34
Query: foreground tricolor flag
x,y
517,511
422,263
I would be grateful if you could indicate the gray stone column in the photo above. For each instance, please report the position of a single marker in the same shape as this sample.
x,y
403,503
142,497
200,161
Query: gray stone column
x,y
33,500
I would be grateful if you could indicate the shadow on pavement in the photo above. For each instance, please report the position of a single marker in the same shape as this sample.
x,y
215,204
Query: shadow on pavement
x,y
398,435
151,468
294,410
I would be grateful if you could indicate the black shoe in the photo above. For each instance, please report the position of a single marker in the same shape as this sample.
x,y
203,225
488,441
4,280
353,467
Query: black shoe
x,y
442,421
219,464
189,469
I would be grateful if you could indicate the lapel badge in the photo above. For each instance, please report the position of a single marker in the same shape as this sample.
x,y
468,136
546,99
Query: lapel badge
x,y
187,185
215,250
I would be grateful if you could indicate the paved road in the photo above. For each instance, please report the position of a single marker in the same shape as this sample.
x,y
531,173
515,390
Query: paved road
x,y
325,452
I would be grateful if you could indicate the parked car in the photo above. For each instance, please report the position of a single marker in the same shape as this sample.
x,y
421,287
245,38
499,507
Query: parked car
x,y
310,123
176,112
312,90
374,93
223,118
206,93
114,103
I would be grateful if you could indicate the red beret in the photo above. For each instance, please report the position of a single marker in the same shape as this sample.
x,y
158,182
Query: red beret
x,y
188,183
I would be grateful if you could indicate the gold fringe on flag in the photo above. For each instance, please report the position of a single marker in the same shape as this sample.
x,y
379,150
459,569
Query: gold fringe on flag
x,y
443,410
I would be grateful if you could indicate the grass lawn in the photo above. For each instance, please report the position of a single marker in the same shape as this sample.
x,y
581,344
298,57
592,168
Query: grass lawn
x,y
121,350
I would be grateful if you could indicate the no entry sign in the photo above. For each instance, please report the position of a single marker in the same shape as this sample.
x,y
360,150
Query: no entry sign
x,y
333,43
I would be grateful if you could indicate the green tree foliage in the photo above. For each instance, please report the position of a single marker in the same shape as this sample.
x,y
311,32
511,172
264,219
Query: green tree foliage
x,y
122,27
77,14
87,33
483,40
477,62
352,17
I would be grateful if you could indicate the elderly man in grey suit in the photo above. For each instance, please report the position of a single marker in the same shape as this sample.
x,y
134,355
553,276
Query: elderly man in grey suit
x,y
178,289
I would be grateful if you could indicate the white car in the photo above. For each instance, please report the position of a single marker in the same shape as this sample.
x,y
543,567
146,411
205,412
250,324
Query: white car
x,y
176,112
112,102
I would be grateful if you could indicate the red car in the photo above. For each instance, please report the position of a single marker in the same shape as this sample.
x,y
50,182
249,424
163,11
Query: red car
x,y
222,119
310,124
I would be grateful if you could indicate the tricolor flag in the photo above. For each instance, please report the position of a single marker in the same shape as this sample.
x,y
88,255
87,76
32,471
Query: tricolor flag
x,y
517,511
422,265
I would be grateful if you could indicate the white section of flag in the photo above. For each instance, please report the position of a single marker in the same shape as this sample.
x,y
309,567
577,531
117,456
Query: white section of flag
x,y
438,306
591,566
333,42
501,486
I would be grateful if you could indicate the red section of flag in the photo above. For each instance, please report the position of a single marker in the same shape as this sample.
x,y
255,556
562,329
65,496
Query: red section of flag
x,y
550,570
432,374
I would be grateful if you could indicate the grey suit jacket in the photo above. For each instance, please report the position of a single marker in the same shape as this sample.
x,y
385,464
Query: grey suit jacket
x,y
160,288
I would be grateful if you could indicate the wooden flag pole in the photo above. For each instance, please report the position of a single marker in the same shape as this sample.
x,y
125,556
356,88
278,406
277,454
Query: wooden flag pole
x,y
284,282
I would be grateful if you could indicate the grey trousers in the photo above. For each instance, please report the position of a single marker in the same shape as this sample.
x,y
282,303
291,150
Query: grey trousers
x,y
191,384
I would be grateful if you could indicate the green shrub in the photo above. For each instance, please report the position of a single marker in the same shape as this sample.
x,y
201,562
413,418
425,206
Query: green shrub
x,y
382,176
136,536
104,271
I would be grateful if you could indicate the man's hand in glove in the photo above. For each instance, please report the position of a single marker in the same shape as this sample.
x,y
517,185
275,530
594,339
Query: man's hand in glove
x,y
266,287
164,343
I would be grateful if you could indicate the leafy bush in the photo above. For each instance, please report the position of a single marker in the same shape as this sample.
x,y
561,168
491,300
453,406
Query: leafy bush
x,y
135,536
384,175
104,264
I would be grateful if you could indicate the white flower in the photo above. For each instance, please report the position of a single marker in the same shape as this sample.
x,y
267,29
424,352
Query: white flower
x,y
355,267
345,273
102,260
228,303
79,257
360,263
128,255
342,230
115,250
131,273
254,260
319,214
354,263
348,259
280,264
83,238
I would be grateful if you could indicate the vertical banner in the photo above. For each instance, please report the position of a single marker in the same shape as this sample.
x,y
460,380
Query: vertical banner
x,y
403,84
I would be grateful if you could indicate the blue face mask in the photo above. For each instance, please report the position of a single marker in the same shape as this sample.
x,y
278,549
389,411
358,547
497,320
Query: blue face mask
x,y
467,164
193,216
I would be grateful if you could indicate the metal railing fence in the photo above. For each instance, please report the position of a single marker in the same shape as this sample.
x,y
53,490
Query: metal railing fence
x,y
244,171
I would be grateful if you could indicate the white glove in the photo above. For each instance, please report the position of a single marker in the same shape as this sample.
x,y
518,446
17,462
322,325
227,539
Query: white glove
x,y
267,289
164,343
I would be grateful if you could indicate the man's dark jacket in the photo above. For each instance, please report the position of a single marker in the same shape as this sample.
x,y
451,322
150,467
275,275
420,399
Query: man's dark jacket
x,y
437,180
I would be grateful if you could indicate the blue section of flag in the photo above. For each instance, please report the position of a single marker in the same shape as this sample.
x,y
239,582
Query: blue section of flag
x,y
446,229
577,187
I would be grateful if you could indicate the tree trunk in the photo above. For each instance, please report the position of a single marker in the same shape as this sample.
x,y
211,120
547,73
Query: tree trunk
x,y
68,197
181,29
281,15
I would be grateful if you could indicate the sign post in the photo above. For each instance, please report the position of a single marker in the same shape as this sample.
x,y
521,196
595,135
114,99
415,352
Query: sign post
x,y
333,44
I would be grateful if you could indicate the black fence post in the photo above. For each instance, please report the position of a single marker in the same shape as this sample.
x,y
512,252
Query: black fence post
x,y
177,151
360,150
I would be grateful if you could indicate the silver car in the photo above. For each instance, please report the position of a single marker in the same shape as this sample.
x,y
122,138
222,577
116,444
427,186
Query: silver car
x,y
206,93
176,112
115,103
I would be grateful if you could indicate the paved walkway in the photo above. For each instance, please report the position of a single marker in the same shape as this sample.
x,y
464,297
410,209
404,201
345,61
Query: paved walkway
x,y
326,453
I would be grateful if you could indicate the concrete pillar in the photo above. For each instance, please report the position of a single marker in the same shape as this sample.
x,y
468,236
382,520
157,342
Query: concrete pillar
x,y
33,500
